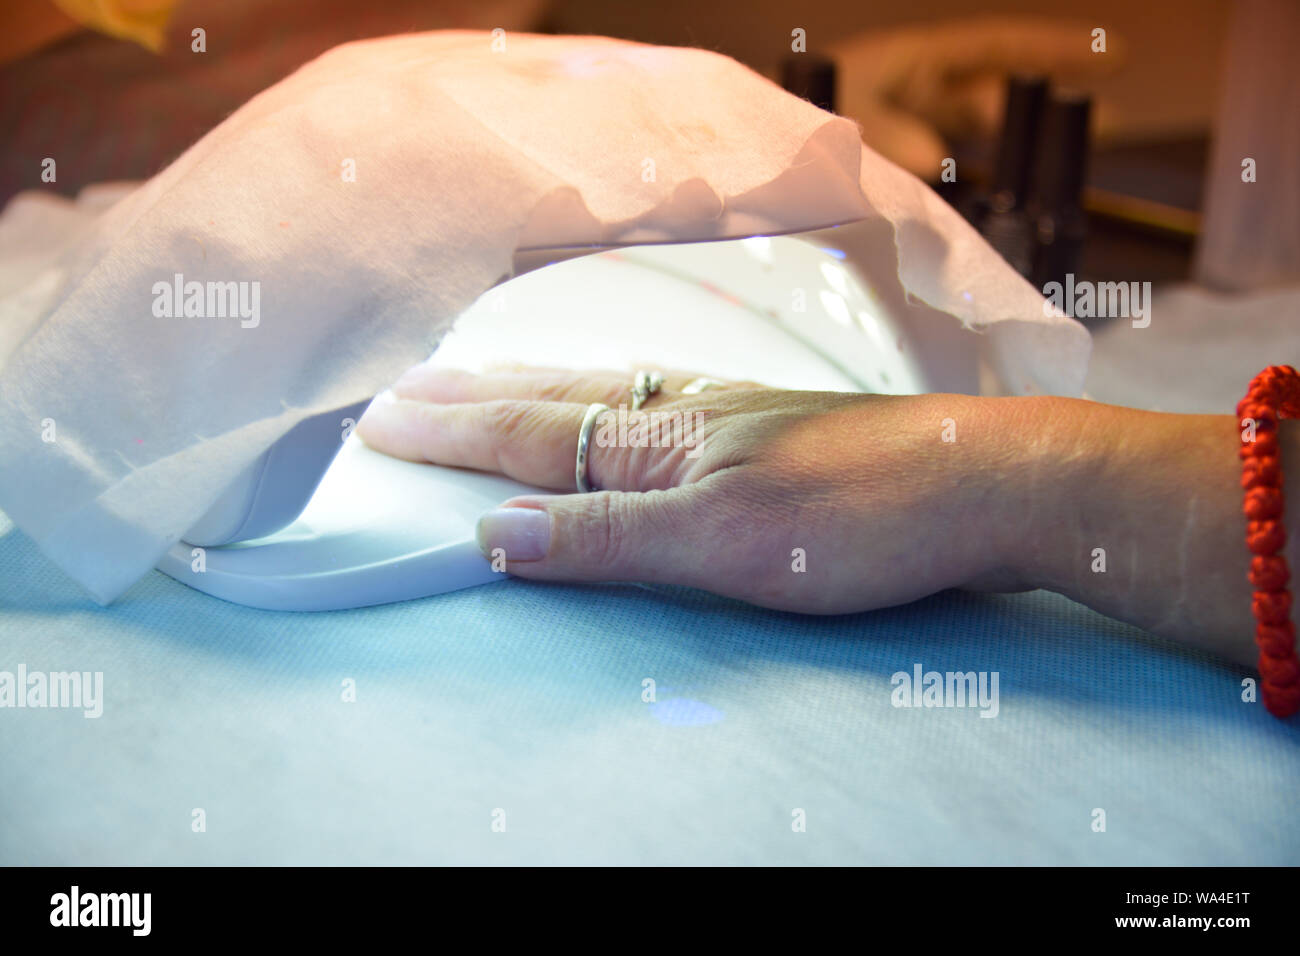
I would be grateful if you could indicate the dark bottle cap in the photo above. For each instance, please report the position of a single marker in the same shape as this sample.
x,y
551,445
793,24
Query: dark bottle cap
x,y
811,77
1026,95
1062,154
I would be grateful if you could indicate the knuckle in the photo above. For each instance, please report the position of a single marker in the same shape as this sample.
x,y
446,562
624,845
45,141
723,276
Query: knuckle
x,y
580,390
553,391
507,416
607,524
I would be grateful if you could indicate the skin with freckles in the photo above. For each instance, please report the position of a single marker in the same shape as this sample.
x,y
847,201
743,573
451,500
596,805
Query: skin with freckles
x,y
881,499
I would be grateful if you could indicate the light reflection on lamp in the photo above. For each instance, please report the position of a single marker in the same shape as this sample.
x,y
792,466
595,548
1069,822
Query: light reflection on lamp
x,y
760,247
835,277
835,307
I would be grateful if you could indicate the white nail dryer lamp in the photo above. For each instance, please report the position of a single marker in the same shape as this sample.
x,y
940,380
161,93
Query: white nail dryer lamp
x,y
788,311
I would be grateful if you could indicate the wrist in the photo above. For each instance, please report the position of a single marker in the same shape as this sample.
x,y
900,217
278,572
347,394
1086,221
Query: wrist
x,y
1025,467
1063,454
1015,469
1138,515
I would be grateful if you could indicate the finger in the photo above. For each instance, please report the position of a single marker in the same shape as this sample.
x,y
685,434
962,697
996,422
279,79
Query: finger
x,y
430,383
659,536
532,442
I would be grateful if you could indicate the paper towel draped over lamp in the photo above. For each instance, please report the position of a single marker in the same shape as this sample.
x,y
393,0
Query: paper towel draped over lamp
x,y
463,160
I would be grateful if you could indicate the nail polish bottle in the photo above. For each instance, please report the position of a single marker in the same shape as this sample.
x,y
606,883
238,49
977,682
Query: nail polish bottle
x,y
1001,216
811,77
1056,191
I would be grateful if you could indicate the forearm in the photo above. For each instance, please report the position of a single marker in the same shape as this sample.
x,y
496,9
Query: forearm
x,y
1155,500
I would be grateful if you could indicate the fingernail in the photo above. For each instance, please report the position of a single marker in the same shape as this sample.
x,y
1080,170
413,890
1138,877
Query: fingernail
x,y
412,376
383,400
524,534
376,411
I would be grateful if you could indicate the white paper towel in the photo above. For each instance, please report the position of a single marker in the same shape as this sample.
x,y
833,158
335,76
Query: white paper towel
x,y
361,204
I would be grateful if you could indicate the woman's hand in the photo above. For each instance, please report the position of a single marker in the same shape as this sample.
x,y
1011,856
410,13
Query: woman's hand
x,y
818,502
825,502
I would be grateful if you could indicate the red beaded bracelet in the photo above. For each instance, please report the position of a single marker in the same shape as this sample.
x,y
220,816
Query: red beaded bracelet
x,y
1274,393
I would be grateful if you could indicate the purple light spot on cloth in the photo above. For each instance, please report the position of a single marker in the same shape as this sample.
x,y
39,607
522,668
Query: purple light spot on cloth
x,y
684,712
837,253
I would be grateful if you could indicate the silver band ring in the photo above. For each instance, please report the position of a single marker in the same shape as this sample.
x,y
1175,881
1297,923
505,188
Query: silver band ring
x,y
594,411
644,385
697,385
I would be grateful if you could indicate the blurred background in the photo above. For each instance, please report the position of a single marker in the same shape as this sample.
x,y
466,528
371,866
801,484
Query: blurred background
x,y
1110,161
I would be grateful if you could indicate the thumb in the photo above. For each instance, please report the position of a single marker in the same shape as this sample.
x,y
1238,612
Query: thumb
x,y
604,536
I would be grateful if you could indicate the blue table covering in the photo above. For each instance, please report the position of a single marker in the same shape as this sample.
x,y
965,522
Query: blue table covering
x,y
522,705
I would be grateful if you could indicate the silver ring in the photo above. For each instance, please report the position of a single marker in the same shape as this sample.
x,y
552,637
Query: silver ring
x,y
697,385
644,385
594,411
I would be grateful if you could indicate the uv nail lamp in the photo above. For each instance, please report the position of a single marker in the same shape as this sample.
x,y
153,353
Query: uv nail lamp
x,y
319,524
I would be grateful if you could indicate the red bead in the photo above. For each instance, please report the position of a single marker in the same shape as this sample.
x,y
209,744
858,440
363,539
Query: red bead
x,y
1281,702
1272,607
1275,639
1283,669
1269,572
1265,443
1262,504
1265,537
1259,471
